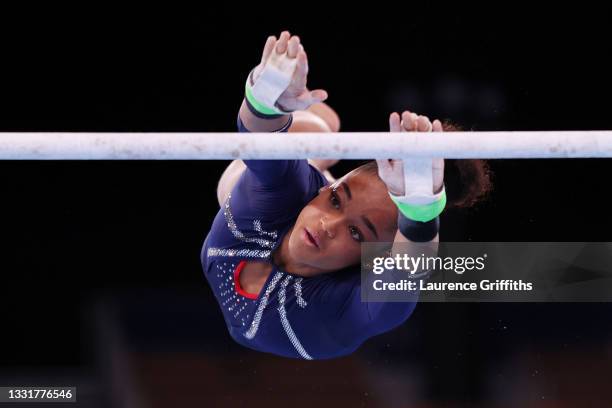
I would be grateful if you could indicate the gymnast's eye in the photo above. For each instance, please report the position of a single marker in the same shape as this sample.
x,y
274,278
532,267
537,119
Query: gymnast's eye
x,y
356,234
334,199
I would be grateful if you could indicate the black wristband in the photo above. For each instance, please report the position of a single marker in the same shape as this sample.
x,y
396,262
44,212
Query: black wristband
x,y
259,114
285,128
417,231
287,125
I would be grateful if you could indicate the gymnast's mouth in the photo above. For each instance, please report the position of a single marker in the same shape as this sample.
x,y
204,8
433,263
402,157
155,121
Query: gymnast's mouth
x,y
310,239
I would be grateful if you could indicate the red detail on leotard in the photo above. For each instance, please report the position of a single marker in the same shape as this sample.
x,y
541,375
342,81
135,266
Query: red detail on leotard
x,y
237,286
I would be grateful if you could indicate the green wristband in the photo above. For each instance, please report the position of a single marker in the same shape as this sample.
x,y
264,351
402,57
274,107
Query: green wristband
x,y
422,213
258,106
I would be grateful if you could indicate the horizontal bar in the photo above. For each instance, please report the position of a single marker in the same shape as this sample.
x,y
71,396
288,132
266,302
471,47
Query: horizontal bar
x,y
205,146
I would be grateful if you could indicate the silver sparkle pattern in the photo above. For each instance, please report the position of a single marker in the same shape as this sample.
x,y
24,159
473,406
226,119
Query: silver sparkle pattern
x,y
250,334
229,299
229,218
297,286
260,230
242,253
285,322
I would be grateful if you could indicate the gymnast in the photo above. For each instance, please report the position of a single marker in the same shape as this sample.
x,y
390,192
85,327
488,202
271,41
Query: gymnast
x,y
282,255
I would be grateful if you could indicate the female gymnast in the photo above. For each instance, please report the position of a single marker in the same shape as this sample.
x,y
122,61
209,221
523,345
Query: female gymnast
x,y
282,255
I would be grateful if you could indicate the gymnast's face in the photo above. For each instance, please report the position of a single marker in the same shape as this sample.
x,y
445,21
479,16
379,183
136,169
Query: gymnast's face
x,y
328,233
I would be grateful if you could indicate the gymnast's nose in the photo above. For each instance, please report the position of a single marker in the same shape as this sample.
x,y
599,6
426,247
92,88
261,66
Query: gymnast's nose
x,y
329,225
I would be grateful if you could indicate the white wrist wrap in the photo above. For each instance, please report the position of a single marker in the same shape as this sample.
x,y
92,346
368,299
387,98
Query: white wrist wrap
x,y
274,79
418,183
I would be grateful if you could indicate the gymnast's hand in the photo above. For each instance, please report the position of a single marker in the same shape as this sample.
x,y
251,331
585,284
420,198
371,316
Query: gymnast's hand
x,y
392,171
296,96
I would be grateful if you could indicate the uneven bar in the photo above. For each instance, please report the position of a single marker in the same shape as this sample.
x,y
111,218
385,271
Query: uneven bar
x,y
219,146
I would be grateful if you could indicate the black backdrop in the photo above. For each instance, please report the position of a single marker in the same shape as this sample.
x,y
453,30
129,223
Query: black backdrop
x,y
72,229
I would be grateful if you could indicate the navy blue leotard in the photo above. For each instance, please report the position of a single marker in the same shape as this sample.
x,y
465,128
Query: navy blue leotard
x,y
310,318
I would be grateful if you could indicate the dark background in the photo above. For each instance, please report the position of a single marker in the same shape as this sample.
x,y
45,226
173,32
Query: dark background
x,y
95,249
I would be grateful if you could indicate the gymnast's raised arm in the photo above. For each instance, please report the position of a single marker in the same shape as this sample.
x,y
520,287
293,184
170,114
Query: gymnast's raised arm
x,y
277,86
313,116
419,207
255,116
